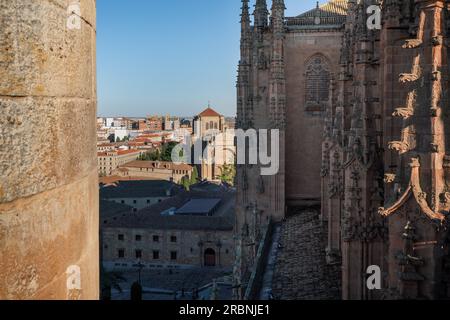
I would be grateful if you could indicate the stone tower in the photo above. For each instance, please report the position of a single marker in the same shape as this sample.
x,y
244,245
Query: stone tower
x,y
381,95
417,163
48,187
352,171
391,151
260,105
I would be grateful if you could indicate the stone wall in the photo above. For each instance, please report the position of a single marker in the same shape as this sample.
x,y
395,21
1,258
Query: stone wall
x,y
48,165
190,246
304,126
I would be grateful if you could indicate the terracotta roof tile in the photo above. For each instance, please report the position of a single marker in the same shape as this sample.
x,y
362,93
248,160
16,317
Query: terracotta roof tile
x,y
209,113
156,164
333,12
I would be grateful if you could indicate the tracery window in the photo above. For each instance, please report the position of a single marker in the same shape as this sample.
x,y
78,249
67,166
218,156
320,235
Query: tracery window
x,y
317,80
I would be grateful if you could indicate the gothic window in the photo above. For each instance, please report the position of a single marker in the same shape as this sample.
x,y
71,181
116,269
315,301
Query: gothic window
x,y
317,80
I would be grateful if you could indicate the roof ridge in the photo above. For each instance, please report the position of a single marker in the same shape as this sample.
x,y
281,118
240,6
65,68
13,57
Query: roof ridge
x,y
333,12
209,112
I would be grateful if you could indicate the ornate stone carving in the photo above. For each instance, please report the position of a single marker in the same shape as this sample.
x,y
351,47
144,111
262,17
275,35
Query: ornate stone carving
x,y
405,113
412,43
400,146
437,40
409,263
389,178
408,77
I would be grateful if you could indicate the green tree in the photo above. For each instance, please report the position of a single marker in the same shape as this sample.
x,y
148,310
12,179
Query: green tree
x,y
186,183
194,176
166,152
227,174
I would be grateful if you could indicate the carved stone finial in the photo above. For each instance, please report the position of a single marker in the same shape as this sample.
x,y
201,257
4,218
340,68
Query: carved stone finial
x,y
389,178
400,146
415,163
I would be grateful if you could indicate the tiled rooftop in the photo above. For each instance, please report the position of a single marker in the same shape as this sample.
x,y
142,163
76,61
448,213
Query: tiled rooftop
x,y
139,189
332,13
151,217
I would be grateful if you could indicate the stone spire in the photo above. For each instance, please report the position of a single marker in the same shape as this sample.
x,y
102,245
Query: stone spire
x,y
245,19
244,65
261,14
277,72
277,19
245,33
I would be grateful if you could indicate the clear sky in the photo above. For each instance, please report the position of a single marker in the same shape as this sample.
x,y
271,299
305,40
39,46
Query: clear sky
x,y
170,56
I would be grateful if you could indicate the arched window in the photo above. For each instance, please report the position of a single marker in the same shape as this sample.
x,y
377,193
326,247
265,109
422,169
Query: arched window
x,y
317,80
210,258
207,126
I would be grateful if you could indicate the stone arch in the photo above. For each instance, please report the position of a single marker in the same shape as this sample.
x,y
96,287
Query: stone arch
x,y
318,78
209,257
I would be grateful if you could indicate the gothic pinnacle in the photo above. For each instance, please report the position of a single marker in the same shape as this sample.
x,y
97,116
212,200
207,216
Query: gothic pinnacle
x,y
261,14
245,15
277,19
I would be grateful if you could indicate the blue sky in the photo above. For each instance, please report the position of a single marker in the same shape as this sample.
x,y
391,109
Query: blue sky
x,y
170,57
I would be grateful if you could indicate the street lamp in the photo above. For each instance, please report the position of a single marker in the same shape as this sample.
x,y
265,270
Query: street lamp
x,y
140,267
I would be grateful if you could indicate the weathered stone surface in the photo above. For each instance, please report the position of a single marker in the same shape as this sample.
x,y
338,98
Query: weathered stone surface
x,y
48,170
301,272
52,148
40,56
41,236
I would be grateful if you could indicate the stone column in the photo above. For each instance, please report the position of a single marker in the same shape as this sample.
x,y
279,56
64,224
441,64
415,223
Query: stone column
x,y
48,167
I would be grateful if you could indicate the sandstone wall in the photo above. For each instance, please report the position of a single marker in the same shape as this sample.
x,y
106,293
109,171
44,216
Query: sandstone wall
x,y
189,252
304,131
48,165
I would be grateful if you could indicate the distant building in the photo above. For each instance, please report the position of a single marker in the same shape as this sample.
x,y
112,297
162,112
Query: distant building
x,y
192,229
109,122
157,170
139,194
176,124
155,123
110,160
124,123
207,121
106,146
171,123
109,209
121,134
218,143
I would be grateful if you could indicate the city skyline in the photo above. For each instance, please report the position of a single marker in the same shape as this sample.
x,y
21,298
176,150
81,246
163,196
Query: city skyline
x,y
136,76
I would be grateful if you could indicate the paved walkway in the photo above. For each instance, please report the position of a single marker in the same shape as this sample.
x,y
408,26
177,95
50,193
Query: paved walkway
x,y
301,271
